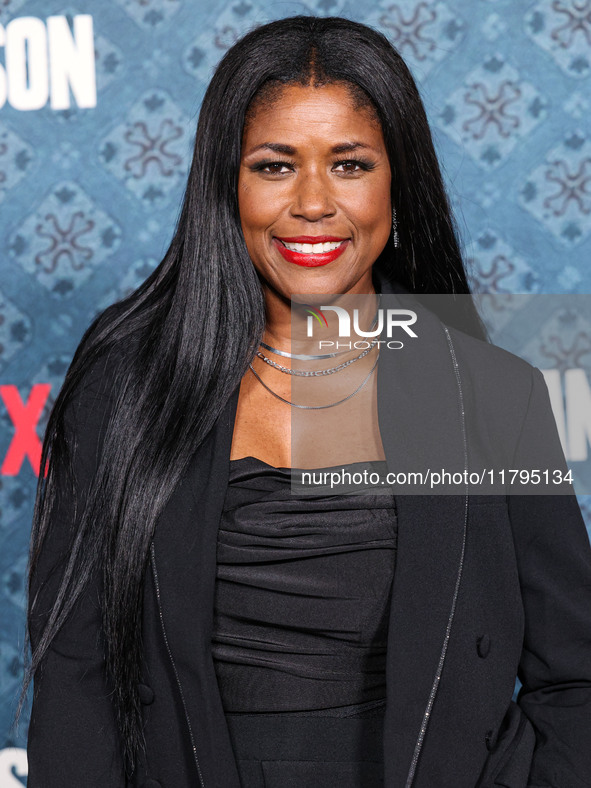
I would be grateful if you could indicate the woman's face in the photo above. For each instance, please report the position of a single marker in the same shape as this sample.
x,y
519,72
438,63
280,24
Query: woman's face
x,y
314,191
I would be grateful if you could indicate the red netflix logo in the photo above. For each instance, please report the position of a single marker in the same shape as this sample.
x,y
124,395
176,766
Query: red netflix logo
x,y
25,417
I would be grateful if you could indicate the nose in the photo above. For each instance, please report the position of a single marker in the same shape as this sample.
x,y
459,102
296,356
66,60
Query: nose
x,y
312,199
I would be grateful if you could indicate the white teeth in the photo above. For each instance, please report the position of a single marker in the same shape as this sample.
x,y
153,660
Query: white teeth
x,y
329,246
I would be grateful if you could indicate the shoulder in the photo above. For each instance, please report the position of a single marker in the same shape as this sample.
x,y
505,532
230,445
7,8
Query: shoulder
x,y
92,388
493,369
485,356
87,404
100,367
480,363
507,404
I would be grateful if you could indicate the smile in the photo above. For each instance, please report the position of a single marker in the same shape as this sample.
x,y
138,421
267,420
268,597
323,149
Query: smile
x,y
310,251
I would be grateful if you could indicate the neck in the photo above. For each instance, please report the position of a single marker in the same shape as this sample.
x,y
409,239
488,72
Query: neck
x,y
286,320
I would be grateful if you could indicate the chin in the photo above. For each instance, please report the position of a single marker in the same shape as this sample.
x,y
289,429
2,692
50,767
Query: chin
x,y
329,284
317,299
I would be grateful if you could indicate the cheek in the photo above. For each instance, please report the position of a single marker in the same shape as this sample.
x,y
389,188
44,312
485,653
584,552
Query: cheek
x,y
254,220
250,219
246,207
374,215
257,209
371,206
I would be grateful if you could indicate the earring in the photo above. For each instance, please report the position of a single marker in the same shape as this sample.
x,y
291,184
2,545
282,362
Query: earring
x,y
395,239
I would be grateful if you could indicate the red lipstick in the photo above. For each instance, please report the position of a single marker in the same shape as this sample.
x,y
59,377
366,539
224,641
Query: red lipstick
x,y
311,260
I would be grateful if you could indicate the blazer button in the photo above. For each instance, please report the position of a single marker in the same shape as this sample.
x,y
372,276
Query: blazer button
x,y
146,697
483,646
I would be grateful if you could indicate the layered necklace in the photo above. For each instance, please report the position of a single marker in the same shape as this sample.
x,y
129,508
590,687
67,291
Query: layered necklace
x,y
314,373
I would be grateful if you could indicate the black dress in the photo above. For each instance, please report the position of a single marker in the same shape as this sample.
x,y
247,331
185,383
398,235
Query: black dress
x,y
300,627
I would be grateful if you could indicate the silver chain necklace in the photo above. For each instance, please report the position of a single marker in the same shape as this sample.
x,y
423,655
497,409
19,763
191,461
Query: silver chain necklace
x,y
316,407
301,356
317,373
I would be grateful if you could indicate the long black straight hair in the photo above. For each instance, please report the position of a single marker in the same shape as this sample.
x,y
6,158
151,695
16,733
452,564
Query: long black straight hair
x,y
204,296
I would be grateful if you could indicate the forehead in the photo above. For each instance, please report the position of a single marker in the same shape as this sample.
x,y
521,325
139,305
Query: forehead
x,y
330,113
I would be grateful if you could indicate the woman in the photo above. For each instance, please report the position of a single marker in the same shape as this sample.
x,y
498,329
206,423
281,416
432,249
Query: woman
x,y
157,559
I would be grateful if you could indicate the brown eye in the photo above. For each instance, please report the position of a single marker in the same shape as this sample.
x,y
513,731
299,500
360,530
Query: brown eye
x,y
353,166
275,168
272,167
349,166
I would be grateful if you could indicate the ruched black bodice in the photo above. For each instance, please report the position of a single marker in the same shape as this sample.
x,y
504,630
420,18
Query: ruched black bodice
x,y
302,595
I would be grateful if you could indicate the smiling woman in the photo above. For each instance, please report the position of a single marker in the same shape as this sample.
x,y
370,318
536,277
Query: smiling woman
x,y
193,619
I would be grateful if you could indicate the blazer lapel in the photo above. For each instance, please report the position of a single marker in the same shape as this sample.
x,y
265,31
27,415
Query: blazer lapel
x,y
184,565
421,425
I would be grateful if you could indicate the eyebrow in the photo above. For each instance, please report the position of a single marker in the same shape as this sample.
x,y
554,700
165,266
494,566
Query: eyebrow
x,y
289,150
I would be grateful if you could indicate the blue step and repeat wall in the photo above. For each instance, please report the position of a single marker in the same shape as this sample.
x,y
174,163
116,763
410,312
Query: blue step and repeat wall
x,y
98,107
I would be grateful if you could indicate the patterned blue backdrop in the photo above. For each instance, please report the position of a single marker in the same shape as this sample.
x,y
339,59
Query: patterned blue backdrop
x,y
98,106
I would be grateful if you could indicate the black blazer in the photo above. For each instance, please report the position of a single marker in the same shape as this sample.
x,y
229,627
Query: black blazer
x,y
485,587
